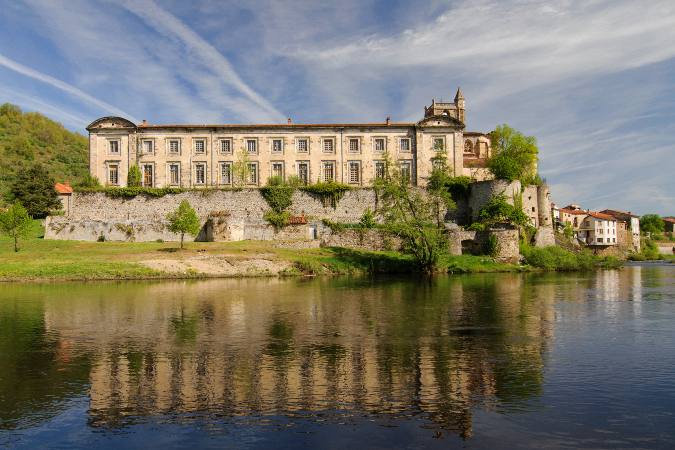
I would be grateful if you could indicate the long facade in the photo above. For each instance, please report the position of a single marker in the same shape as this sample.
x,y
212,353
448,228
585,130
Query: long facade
x,y
194,156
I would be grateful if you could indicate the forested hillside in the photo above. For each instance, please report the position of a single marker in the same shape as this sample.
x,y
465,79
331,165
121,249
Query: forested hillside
x,y
28,138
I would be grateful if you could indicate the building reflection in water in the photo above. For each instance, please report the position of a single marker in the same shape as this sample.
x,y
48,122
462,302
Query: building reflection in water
x,y
249,347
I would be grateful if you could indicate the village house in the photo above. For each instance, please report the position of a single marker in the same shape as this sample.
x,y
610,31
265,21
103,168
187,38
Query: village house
x,y
194,156
598,229
669,223
628,225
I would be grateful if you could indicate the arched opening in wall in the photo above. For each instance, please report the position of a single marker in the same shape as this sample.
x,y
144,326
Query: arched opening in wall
x,y
468,147
470,247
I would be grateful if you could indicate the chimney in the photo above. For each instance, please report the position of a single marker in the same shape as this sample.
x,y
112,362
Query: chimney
x,y
388,120
290,121
145,123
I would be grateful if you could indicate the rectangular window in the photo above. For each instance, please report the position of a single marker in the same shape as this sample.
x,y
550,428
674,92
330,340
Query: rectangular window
x,y
354,172
174,146
379,169
252,173
405,144
200,173
200,146
600,240
113,174
252,145
439,144
303,172
148,147
303,145
328,171
225,173
174,174
278,169
225,146
277,145
380,144
148,175
328,145
405,170
114,146
354,145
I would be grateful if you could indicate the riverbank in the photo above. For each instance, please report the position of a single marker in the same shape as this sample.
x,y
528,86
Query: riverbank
x,y
47,260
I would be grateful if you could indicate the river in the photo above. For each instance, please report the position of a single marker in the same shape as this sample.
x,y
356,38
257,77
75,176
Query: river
x,y
470,361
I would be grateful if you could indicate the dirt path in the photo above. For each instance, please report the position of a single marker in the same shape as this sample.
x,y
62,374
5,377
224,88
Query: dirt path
x,y
219,265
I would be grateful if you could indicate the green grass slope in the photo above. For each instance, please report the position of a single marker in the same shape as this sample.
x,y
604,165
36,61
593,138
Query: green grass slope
x,y
30,137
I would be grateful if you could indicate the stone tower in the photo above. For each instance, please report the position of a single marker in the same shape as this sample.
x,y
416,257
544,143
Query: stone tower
x,y
459,104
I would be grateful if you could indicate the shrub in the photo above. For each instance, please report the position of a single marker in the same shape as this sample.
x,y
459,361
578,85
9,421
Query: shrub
x,y
330,192
497,211
557,258
278,219
459,186
134,176
368,219
88,181
492,246
278,196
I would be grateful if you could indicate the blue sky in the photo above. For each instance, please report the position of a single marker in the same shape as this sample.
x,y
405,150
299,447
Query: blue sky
x,y
592,80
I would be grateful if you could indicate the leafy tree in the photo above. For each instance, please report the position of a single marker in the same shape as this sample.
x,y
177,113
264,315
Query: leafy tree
x,y
15,223
134,176
34,188
652,223
514,155
412,214
184,220
241,169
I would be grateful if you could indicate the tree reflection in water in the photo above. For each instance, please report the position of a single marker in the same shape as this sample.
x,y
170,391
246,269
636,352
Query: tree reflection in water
x,y
439,348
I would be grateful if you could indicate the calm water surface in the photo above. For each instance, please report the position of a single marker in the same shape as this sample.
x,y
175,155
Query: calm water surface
x,y
481,361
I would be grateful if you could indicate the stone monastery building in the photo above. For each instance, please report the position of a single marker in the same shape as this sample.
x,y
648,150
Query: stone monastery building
x,y
352,153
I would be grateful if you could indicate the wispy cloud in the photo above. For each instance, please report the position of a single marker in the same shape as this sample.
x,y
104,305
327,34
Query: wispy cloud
x,y
170,27
65,87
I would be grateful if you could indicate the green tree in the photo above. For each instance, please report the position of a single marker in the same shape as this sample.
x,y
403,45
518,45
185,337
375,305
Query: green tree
x,y
652,223
15,223
134,176
514,155
412,214
241,168
184,220
34,188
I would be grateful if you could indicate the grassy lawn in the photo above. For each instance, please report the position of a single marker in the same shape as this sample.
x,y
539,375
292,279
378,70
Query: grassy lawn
x,y
40,259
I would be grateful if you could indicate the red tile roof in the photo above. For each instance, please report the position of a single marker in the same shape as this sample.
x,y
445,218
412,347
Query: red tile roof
x,y
618,214
600,216
63,188
669,219
577,212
